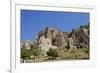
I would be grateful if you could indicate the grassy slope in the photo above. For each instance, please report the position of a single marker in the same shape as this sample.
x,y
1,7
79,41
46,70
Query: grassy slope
x,y
75,54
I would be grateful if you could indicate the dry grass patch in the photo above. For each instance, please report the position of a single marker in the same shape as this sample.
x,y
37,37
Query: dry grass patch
x,y
75,54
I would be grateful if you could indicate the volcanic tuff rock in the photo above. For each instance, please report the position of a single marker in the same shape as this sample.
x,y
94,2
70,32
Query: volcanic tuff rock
x,y
57,39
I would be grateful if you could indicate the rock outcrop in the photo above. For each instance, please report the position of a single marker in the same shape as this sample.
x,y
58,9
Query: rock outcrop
x,y
45,44
57,39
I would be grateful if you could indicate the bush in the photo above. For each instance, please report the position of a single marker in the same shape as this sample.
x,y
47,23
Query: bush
x,y
86,51
35,52
25,54
52,53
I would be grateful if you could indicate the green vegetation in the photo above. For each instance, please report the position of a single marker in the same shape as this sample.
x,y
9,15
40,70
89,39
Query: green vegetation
x,y
75,54
67,46
86,26
35,52
86,51
29,54
25,54
52,53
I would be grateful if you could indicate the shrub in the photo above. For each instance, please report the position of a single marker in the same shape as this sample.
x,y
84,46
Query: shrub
x,y
25,54
86,51
35,52
52,53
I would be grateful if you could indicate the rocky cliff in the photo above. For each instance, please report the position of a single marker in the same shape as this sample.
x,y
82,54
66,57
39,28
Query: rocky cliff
x,y
57,39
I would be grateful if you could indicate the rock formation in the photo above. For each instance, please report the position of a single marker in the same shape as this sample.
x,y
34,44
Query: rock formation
x,y
45,44
57,39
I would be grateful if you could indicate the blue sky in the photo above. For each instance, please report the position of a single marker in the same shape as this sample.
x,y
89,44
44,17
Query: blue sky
x,y
33,21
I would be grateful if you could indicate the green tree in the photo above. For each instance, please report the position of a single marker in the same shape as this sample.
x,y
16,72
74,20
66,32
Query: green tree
x,y
35,52
25,54
53,53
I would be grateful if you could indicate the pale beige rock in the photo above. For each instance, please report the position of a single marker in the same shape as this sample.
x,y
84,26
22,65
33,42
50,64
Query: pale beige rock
x,y
45,44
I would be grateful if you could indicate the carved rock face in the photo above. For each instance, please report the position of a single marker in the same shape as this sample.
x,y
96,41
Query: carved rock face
x,y
81,37
45,44
55,38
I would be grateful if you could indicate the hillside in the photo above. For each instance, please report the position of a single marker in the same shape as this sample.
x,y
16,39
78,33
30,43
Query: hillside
x,y
54,38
